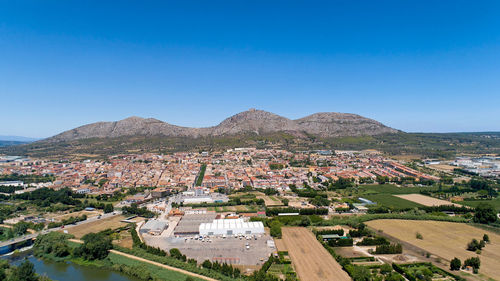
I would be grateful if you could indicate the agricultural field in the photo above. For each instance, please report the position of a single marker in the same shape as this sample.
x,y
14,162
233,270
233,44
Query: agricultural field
x,y
473,203
391,201
312,262
155,271
112,222
393,189
270,200
426,200
60,217
445,240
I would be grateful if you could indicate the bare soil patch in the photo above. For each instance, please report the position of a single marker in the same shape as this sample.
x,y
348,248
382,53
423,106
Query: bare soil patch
x,y
96,226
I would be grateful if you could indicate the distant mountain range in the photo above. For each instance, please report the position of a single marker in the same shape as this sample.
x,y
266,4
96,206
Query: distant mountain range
x,y
254,128
14,140
253,121
17,139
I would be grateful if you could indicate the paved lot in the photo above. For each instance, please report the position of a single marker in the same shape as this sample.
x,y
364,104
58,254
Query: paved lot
x,y
230,250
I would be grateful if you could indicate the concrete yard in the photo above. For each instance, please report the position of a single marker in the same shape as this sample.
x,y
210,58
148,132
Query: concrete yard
x,y
230,250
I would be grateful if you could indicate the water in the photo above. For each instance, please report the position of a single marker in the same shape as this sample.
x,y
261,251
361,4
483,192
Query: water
x,y
63,271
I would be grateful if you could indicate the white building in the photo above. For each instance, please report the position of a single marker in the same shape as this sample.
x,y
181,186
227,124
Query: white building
x,y
231,227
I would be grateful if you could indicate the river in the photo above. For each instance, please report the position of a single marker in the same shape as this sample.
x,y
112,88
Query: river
x,y
66,271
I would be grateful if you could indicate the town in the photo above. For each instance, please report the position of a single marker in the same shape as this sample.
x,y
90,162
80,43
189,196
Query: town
x,y
240,209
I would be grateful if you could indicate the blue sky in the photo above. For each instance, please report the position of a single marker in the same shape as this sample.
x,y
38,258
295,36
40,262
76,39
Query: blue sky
x,y
431,66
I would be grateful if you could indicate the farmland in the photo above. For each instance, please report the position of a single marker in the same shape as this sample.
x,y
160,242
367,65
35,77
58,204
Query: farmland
x,y
473,203
455,235
392,201
312,262
425,200
393,189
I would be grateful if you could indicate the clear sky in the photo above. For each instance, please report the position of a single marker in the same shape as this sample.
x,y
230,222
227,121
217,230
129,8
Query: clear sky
x,y
431,66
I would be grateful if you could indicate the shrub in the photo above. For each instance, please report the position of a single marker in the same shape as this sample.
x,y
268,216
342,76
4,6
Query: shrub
x,y
419,236
389,249
373,241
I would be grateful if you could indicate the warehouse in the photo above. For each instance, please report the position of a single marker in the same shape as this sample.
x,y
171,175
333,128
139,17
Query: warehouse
x,y
231,227
154,227
190,224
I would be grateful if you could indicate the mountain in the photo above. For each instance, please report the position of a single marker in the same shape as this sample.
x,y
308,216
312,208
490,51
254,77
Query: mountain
x,y
333,124
253,121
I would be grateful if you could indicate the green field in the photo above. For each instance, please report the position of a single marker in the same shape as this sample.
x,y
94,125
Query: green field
x,y
391,201
156,271
494,202
392,189
281,269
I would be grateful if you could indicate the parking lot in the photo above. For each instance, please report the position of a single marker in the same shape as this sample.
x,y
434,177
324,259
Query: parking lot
x,y
231,250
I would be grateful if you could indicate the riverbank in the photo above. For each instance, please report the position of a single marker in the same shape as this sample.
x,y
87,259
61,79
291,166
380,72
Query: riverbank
x,y
133,267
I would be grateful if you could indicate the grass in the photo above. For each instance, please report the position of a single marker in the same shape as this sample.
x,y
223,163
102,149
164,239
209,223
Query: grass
x,y
391,201
155,271
494,202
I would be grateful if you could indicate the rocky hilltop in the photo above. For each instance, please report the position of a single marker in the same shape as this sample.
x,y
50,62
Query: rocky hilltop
x,y
253,121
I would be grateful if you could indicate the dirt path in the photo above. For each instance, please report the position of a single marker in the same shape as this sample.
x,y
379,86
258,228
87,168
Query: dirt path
x,y
154,263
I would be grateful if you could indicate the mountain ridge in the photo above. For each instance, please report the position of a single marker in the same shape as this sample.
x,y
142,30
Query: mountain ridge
x,y
323,124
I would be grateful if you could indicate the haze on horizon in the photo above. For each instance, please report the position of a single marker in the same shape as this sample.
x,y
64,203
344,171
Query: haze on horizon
x,y
417,66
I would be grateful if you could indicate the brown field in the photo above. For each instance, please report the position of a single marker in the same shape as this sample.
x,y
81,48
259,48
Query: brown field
x,y
426,200
442,167
125,239
280,245
311,261
96,226
407,157
89,214
268,201
446,240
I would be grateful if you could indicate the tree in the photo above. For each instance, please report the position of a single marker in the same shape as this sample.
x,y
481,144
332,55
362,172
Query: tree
x,y
486,238
475,245
305,221
455,264
24,272
473,262
108,208
485,213
20,228
95,246
285,201
175,253
361,273
385,268
206,264
275,230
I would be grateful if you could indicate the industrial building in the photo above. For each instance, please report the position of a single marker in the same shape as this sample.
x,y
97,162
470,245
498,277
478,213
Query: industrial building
x,y
190,224
154,227
231,227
